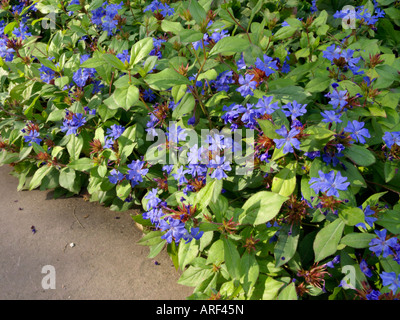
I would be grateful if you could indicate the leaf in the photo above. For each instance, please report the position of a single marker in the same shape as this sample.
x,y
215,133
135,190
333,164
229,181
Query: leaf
x,y
151,238
166,79
269,129
390,170
125,97
261,207
156,249
186,253
284,33
82,164
232,258
327,239
38,177
169,26
197,11
205,195
286,246
352,216
69,181
194,275
360,155
190,35
124,189
288,293
230,45
127,142
74,146
141,50
249,270
391,221
113,61
216,253
358,240
284,182
318,84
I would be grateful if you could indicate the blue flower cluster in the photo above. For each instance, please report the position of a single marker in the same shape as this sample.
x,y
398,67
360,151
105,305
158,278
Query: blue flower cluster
x,y
104,17
72,122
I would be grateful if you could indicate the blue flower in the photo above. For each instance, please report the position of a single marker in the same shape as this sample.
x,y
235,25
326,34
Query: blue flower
x,y
390,279
391,138
6,53
247,85
223,81
72,124
329,183
115,131
357,131
180,176
338,98
364,268
124,56
136,172
268,65
294,109
22,31
115,176
148,95
154,200
46,74
175,229
220,166
331,117
266,106
289,141
195,233
33,136
382,246
368,212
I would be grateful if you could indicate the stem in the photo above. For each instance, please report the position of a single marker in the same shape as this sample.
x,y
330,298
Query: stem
x,y
237,22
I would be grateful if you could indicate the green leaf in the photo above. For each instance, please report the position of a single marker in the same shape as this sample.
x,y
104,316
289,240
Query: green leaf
x,y
232,258
169,26
230,45
194,276
327,240
113,61
390,170
186,253
261,207
123,97
124,189
127,142
284,182
391,221
216,253
352,216
288,293
206,194
269,129
197,11
38,177
156,249
284,33
190,35
152,238
82,164
318,84
69,181
358,240
166,79
249,271
141,50
74,146
359,155
286,246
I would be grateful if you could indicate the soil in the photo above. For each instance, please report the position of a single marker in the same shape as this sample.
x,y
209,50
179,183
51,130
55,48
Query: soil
x,y
93,250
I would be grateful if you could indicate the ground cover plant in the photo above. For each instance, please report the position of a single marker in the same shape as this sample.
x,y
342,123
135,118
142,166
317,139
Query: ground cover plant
x,y
260,138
